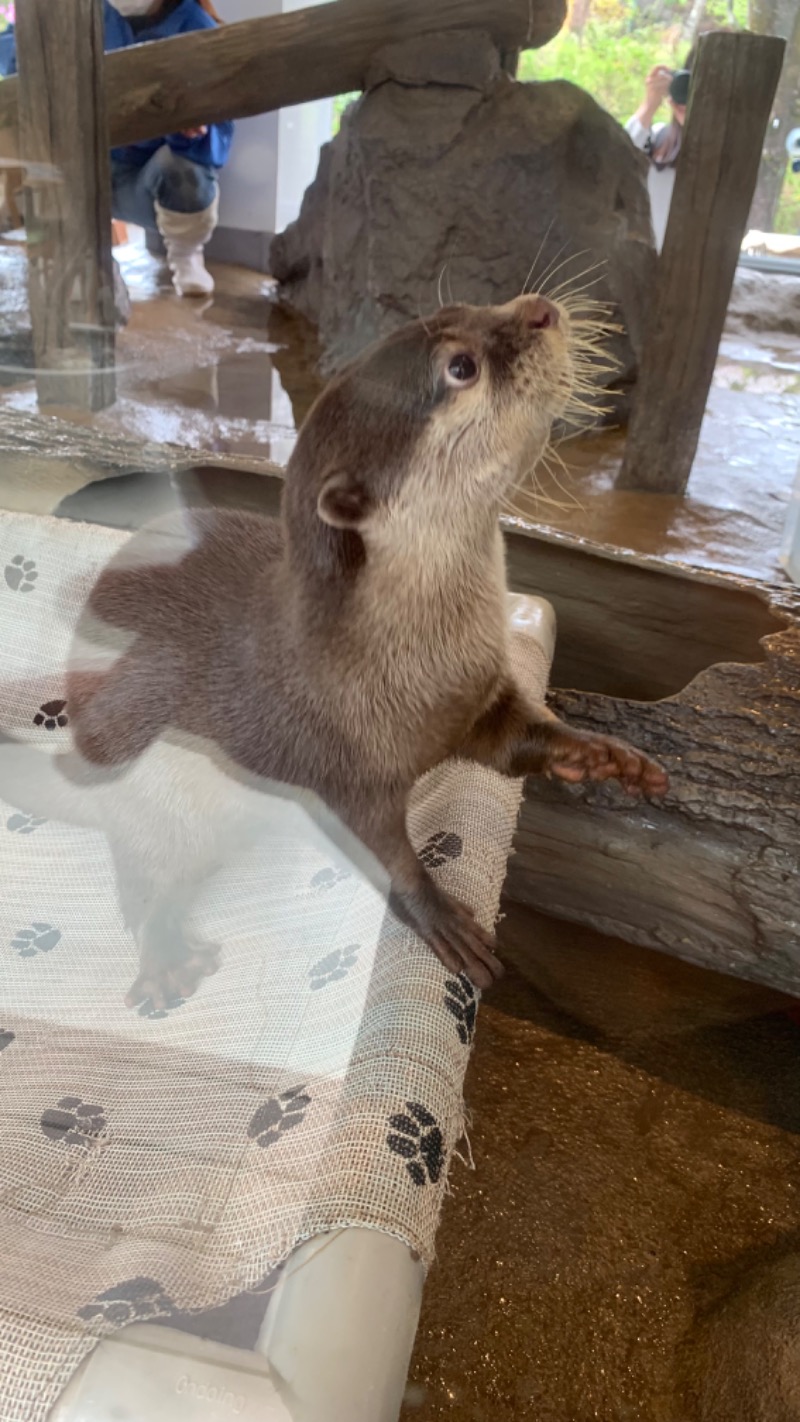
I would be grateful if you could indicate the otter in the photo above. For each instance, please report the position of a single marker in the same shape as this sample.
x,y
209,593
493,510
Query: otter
x,y
361,639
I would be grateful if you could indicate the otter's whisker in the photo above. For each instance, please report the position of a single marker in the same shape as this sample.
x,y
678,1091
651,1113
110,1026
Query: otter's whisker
x,y
529,277
439,286
569,283
548,269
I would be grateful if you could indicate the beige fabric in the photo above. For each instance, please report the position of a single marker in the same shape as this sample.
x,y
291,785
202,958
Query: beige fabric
x,y
152,1161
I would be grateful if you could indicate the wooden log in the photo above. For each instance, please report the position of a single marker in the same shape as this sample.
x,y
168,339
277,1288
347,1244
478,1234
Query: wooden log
x,y
712,875
63,136
635,627
258,65
733,87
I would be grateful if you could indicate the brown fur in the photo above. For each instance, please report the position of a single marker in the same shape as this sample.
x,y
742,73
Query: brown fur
x,y
362,639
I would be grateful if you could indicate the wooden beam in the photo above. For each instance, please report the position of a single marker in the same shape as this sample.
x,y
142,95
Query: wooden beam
x,y
258,65
733,87
63,136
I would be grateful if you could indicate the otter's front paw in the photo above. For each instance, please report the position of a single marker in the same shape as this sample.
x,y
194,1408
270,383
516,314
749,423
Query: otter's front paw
x,y
579,755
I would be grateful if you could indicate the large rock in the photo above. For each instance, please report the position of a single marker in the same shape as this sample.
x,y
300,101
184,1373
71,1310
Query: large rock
x,y
451,181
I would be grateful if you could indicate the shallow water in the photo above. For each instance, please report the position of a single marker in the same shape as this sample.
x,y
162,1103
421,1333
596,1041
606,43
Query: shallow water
x,y
732,515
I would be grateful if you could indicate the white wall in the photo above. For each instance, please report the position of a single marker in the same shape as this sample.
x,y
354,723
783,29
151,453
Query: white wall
x,y
275,155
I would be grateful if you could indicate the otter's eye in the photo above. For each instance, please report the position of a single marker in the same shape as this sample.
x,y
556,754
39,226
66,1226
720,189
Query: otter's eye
x,y
462,369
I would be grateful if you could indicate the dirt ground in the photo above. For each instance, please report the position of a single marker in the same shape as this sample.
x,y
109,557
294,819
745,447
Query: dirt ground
x,y
637,1162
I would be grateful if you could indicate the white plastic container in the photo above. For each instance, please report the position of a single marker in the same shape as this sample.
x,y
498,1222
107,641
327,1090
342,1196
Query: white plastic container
x,y
790,548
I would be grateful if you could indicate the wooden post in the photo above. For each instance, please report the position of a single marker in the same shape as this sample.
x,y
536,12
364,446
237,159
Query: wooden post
x,y
733,86
64,148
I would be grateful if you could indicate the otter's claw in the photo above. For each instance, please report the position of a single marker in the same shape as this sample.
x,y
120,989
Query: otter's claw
x,y
462,945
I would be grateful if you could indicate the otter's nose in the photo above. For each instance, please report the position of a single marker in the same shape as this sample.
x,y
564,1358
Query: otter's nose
x,y
539,313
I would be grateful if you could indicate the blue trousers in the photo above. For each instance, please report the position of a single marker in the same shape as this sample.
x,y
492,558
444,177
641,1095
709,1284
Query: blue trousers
x,y
167,178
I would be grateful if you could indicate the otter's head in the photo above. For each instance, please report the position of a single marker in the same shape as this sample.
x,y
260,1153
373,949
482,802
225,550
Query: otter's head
x,y
427,430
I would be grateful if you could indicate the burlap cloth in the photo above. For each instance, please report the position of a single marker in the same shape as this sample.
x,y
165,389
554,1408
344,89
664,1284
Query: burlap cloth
x,y
157,1161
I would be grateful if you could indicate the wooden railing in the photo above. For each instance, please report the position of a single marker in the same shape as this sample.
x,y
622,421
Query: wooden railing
x,y
257,65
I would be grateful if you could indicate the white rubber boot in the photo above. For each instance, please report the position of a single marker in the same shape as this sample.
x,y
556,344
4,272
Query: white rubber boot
x,y
185,234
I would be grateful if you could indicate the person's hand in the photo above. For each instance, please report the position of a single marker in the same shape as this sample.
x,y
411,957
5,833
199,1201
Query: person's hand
x,y
656,87
199,132
656,90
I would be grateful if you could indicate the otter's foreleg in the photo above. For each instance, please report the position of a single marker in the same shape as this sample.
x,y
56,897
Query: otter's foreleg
x,y
519,738
445,924
172,958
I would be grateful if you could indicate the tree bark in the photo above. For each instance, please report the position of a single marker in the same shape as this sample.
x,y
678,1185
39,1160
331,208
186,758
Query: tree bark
x,y
712,874
578,17
692,22
777,17
255,66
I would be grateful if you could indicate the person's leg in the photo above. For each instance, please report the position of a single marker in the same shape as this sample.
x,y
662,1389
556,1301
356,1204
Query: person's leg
x,y
185,200
130,197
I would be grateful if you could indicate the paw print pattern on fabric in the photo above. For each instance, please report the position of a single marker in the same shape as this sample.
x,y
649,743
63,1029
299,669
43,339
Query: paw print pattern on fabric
x,y
279,1114
417,1138
441,847
149,1009
21,574
6,1038
52,715
460,1000
326,879
75,1122
133,1301
39,938
333,968
20,823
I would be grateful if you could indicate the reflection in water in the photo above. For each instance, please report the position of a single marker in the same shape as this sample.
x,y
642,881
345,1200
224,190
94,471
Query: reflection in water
x,y
733,513
230,376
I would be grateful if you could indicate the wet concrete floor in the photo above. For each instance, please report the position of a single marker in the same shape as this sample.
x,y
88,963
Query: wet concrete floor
x,y
234,375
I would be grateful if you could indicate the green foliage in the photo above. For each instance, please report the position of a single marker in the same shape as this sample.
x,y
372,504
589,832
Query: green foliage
x,y
611,67
340,103
788,215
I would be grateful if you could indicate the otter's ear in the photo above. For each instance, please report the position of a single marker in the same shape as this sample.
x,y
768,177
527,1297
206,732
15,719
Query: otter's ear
x,y
343,502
